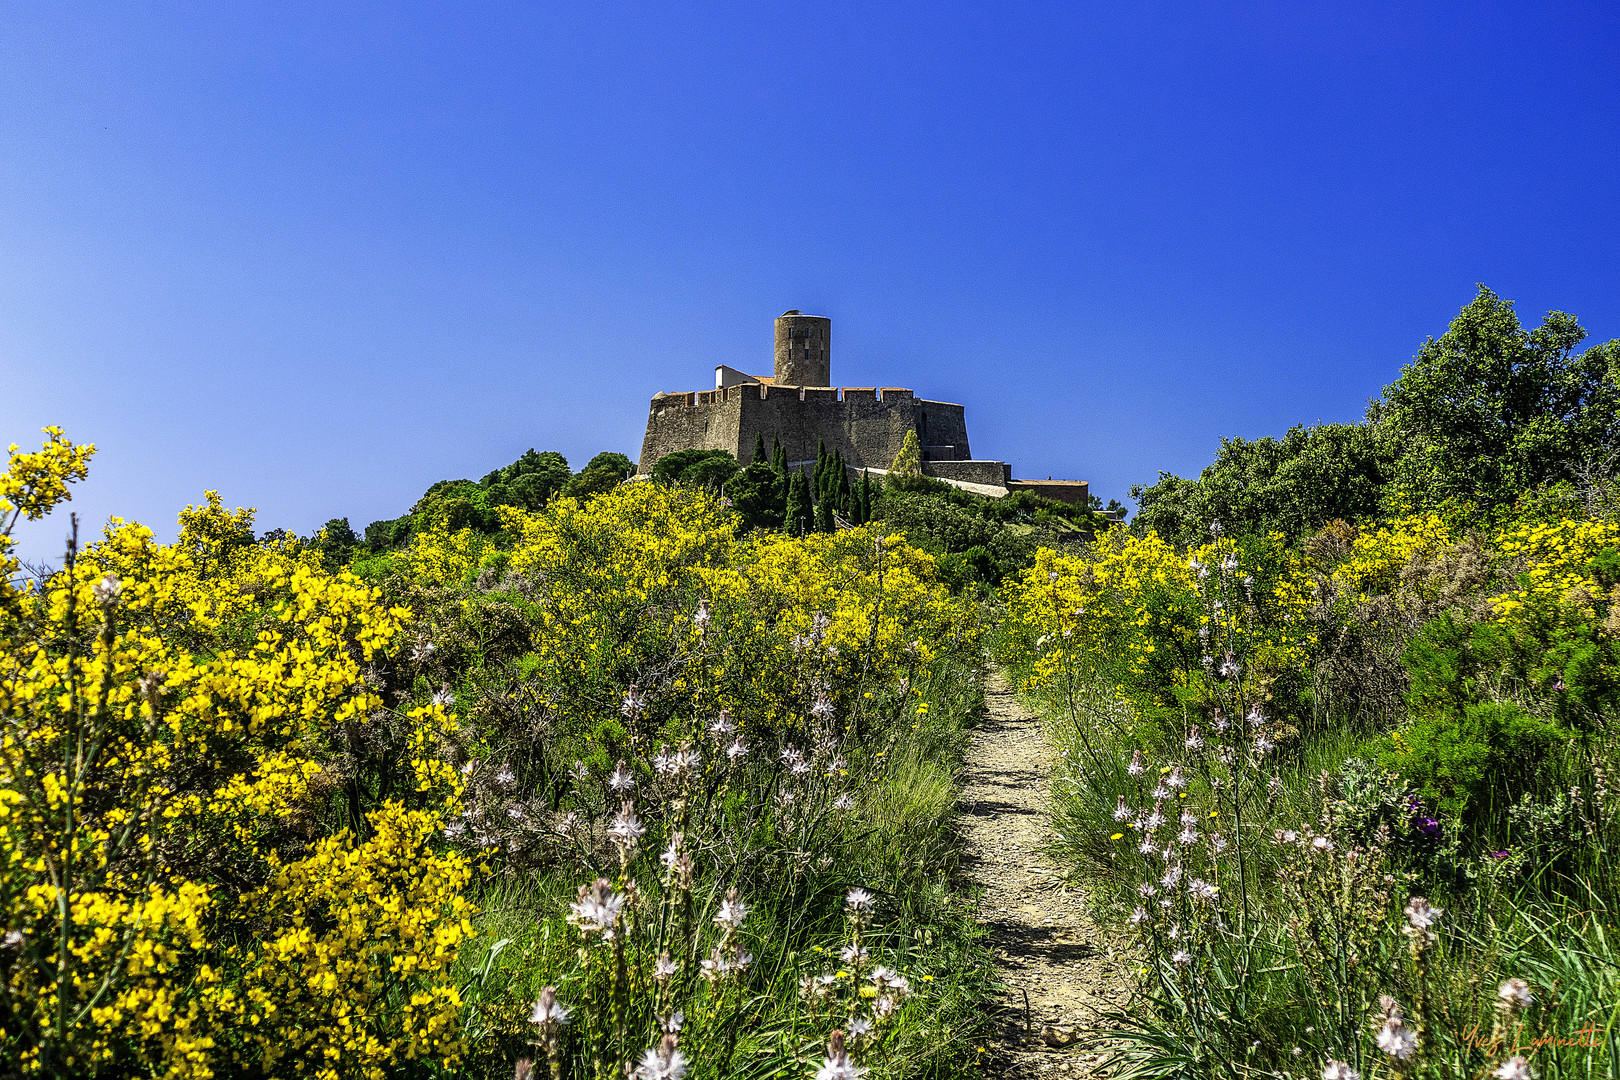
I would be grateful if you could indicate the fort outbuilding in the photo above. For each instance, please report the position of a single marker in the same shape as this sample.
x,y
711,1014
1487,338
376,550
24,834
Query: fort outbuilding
x,y
798,406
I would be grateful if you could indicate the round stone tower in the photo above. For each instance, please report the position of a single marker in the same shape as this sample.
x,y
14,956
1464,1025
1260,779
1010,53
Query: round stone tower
x,y
803,350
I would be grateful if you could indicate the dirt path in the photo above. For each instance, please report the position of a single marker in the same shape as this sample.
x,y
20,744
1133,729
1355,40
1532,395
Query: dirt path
x,y
1046,947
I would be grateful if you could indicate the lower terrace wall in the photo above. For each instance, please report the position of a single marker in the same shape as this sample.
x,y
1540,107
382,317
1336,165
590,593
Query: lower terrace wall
x,y
1063,491
991,473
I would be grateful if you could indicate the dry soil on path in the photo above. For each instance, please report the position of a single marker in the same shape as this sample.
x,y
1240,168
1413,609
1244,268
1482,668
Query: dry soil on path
x,y
1055,965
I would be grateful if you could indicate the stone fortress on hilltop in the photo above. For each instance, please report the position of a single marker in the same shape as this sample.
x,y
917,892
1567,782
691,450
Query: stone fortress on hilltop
x,y
799,406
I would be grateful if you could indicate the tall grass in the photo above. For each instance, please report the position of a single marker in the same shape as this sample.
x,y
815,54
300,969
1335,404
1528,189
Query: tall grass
x,y
897,843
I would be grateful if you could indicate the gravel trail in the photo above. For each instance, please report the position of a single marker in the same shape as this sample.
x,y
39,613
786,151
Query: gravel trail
x,y
1048,950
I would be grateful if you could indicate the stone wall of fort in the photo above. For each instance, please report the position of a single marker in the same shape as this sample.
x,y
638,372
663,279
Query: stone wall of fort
x,y
864,424
697,420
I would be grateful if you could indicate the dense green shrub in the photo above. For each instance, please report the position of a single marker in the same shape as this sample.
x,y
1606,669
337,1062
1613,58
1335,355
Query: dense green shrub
x,y
698,468
1457,760
528,483
1293,485
759,494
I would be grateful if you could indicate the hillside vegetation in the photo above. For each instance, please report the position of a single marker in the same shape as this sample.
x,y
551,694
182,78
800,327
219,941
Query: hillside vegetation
x,y
610,785
563,774
1338,725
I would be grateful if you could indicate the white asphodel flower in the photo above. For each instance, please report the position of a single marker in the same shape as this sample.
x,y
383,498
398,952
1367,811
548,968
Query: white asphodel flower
x,y
859,900
1338,1070
662,1062
627,828
598,908
548,1010
1421,915
839,1067
1514,1068
622,779
1396,1039
633,702
1514,994
732,910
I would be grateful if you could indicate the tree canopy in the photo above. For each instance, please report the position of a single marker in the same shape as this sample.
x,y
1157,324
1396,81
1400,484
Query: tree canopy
x,y
1490,409
1484,414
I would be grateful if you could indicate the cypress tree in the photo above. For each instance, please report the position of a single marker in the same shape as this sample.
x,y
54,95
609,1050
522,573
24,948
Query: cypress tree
x,y
824,516
798,505
778,457
759,448
866,497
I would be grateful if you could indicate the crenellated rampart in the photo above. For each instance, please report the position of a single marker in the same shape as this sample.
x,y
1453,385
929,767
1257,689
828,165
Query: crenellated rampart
x,y
864,424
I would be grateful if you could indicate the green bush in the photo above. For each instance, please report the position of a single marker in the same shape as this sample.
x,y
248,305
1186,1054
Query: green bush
x,y
1457,760
699,468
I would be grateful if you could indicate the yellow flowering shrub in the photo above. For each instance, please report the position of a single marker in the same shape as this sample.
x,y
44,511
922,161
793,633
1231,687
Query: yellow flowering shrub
x,y
1376,557
607,589
1556,555
1066,606
175,894
1134,605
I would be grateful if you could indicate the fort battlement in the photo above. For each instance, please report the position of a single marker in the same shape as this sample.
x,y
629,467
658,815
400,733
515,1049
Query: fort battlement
x,y
800,408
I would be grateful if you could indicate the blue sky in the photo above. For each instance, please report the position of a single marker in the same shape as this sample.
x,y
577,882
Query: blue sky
x,y
318,256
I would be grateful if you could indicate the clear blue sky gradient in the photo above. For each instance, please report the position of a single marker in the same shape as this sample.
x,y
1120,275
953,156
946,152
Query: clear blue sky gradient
x,y
318,256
